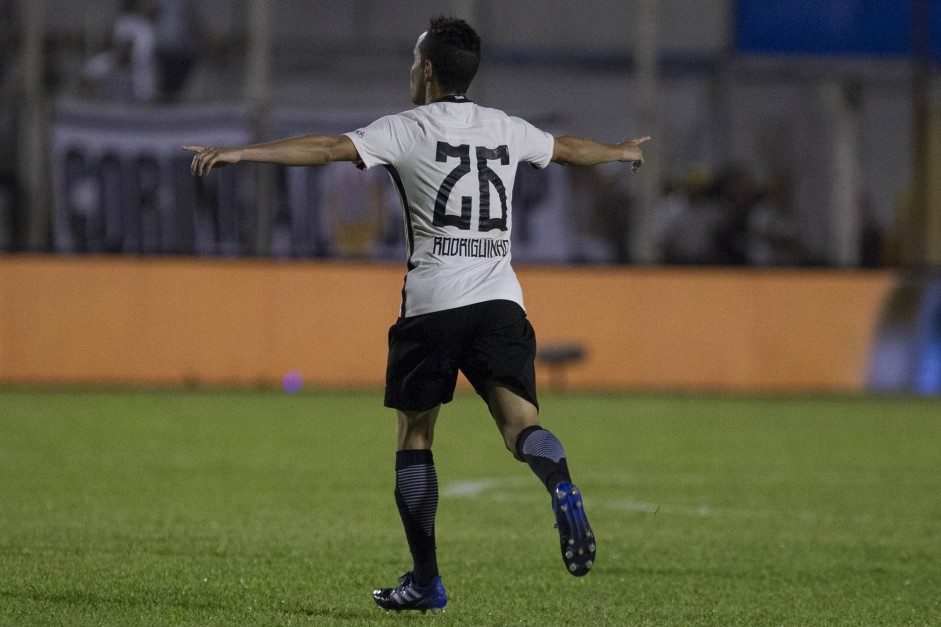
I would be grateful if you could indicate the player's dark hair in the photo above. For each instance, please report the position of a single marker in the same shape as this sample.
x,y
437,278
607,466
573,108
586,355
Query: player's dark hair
x,y
453,47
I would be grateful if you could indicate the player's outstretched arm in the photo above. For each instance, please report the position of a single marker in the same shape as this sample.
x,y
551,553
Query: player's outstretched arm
x,y
304,150
575,150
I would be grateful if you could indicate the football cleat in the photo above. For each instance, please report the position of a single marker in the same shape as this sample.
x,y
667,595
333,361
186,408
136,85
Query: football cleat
x,y
575,535
410,596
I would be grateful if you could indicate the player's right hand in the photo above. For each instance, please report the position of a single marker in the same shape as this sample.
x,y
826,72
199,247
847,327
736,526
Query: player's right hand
x,y
209,157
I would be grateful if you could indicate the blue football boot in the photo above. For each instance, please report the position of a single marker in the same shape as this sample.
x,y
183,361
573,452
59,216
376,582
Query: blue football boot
x,y
410,596
575,535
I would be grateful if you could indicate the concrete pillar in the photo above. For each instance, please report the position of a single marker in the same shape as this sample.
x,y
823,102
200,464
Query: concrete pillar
x,y
256,98
646,98
922,225
932,205
32,137
846,180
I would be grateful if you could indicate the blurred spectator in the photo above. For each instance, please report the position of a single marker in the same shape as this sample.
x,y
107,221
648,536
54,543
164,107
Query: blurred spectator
x,y
873,249
774,229
599,220
9,209
177,33
688,222
738,194
584,186
127,69
610,218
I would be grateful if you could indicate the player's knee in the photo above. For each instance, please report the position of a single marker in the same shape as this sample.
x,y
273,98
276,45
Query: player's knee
x,y
511,438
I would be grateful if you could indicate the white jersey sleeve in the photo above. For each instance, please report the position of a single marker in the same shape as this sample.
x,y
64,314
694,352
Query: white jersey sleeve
x,y
386,141
535,145
454,164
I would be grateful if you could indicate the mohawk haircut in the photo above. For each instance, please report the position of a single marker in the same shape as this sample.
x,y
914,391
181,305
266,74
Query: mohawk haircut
x,y
453,47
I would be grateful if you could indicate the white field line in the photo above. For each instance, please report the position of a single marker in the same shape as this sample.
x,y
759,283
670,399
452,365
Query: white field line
x,y
467,489
763,479
519,491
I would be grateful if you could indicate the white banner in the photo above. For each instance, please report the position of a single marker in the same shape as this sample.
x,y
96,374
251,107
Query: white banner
x,y
122,183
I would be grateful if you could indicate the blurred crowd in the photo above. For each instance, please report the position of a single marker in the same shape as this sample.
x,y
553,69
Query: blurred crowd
x,y
728,219
734,218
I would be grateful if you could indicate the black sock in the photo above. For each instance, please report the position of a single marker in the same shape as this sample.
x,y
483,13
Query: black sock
x,y
416,494
544,454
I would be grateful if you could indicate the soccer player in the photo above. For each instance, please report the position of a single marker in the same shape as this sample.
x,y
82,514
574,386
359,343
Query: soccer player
x,y
454,164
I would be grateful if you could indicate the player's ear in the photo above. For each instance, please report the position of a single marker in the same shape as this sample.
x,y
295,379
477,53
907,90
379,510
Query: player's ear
x,y
427,69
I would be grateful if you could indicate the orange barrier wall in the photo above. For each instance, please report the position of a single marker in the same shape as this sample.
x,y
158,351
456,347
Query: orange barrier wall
x,y
246,322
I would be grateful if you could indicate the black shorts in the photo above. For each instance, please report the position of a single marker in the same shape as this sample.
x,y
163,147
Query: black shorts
x,y
489,342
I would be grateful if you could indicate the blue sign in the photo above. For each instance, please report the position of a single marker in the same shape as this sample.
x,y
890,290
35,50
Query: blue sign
x,y
881,28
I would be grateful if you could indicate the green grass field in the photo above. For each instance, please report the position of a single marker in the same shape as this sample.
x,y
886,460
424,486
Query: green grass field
x,y
260,508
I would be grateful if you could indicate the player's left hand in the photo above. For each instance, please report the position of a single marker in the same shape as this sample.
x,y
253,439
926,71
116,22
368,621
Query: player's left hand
x,y
632,152
209,157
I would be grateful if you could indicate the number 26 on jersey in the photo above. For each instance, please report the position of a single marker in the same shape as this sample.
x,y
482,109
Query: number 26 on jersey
x,y
485,177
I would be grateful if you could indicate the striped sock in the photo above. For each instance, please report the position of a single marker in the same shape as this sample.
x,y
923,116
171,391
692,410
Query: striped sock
x,y
544,454
416,494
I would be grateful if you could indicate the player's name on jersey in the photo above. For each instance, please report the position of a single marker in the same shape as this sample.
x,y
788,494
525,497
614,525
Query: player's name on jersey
x,y
470,247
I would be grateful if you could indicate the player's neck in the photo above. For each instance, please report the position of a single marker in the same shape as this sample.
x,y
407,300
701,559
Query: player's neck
x,y
433,93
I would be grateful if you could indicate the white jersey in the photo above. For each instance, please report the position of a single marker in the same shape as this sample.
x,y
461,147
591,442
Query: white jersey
x,y
454,164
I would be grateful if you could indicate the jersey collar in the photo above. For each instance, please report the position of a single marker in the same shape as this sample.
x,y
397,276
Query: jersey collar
x,y
453,98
